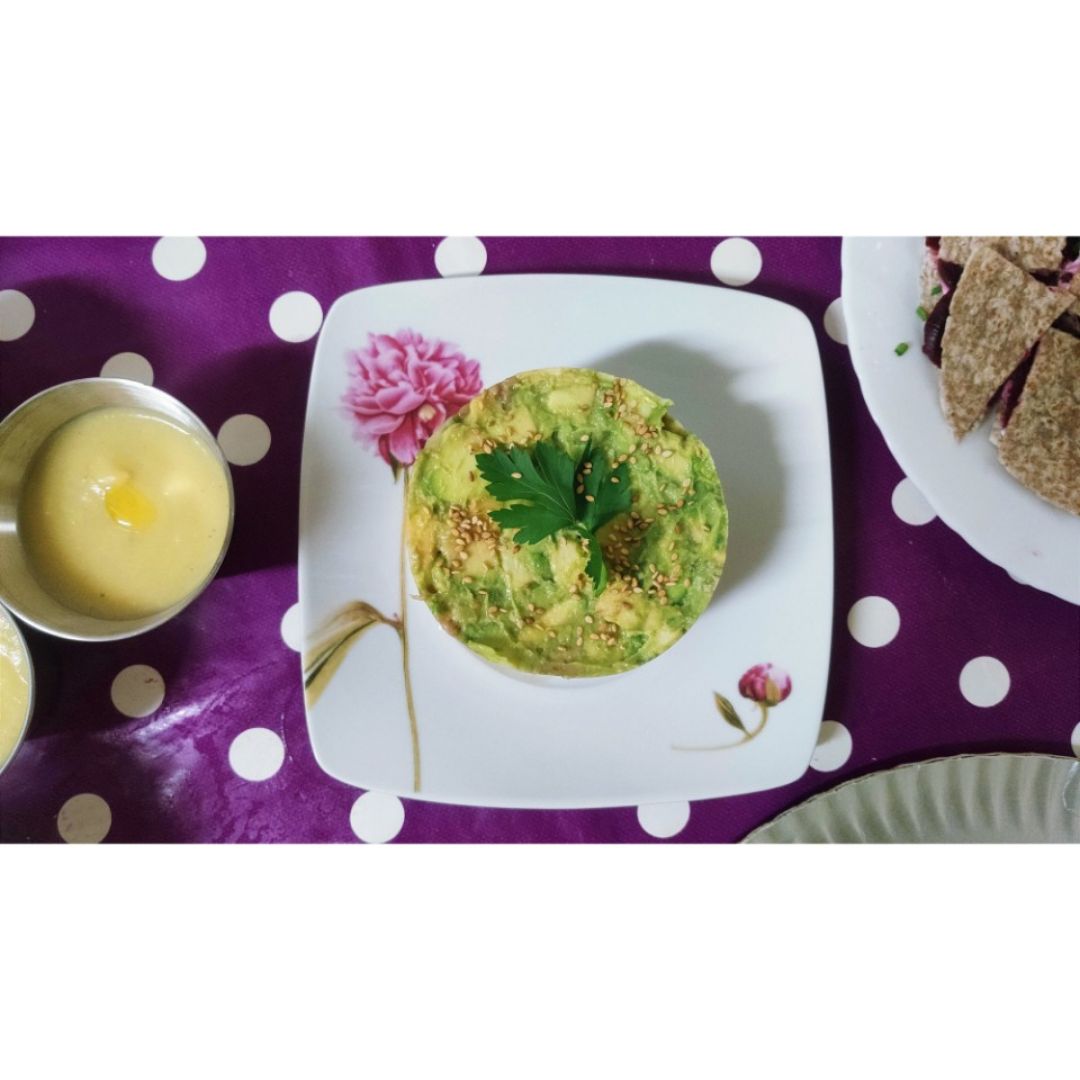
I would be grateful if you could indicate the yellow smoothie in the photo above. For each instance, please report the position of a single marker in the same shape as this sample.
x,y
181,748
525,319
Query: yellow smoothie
x,y
123,513
14,688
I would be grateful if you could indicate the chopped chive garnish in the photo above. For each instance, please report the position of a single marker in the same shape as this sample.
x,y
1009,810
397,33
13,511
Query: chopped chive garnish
x,y
922,313
901,348
936,290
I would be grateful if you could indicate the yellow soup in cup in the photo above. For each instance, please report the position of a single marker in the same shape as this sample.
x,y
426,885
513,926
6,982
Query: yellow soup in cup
x,y
123,513
14,687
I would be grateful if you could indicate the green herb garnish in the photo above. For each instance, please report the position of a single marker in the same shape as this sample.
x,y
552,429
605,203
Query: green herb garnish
x,y
936,290
901,348
550,492
922,313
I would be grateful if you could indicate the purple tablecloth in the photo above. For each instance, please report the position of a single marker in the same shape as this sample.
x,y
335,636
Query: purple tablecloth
x,y
191,771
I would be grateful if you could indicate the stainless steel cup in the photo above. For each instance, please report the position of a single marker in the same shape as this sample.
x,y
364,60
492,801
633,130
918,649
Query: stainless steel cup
x,y
6,615
22,433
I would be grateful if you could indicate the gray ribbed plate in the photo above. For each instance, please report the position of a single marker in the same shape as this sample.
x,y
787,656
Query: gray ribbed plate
x,y
972,799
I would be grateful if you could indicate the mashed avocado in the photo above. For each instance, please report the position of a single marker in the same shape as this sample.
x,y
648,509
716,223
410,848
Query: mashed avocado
x,y
532,606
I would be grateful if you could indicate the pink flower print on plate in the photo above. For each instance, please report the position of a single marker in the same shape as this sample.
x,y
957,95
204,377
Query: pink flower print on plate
x,y
402,387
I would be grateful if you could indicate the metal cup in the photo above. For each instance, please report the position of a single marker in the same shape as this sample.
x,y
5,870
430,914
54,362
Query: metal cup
x,y
6,615
22,433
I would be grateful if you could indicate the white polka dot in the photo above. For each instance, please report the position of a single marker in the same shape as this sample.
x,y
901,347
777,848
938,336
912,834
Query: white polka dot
x,y
663,820
984,681
1076,740
873,621
244,439
460,256
909,504
736,261
128,365
84,819
835,326
16,314
179,257
833,747
291,632
256,754
138,690
377,817
295,316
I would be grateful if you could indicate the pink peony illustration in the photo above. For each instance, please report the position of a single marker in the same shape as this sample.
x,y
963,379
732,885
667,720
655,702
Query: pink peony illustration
x,y
403,387
766,684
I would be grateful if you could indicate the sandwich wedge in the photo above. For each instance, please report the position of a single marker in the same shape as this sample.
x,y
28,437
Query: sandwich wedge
x,y
1027,252
998,312
1040,442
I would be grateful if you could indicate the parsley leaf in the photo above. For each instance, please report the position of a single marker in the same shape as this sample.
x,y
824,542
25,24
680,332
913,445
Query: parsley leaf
x,y
901,348
607,490
542,485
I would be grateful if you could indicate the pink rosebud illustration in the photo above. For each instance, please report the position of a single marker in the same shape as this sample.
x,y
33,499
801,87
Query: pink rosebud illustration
x,y
766,684
402,387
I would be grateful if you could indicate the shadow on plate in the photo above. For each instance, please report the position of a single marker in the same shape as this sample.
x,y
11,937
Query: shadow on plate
x,y
739,436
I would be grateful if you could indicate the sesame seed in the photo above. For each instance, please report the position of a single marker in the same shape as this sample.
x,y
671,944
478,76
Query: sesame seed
x,y
516,475
686,583
666,453
580,488
662,511
589,619
551,634
493,611
590,498
614,479
584,438
633,460
467,580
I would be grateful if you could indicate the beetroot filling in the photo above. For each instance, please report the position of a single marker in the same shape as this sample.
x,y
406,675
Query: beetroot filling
x,y
1013,387
934,329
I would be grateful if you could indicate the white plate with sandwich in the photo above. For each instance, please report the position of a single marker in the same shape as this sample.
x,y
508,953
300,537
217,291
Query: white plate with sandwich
x,y
991,437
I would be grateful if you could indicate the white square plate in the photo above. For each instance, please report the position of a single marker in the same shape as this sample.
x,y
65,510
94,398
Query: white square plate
x,y
744,374
969,489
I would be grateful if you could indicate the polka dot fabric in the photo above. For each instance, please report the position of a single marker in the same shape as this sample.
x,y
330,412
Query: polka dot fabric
x,y
196,731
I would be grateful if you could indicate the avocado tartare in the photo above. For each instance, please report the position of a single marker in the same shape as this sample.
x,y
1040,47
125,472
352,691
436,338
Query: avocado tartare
x,y
539,606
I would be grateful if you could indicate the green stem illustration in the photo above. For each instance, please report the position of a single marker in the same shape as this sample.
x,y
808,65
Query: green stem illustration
x,y
342,631
729,715
403,633
764,720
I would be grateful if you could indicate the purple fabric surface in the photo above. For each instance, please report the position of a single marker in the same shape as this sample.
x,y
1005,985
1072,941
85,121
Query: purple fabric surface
x,y
167,777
